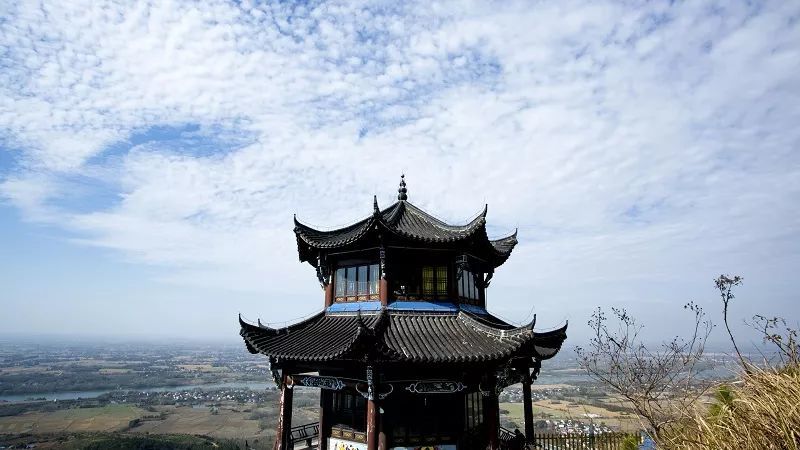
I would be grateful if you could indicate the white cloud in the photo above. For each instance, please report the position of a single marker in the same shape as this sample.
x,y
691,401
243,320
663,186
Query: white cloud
x,y
655,143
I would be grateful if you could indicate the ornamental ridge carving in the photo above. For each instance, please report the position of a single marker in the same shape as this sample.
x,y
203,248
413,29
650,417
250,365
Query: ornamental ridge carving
x,y
382,390
436,387
382,256
331,383
323,271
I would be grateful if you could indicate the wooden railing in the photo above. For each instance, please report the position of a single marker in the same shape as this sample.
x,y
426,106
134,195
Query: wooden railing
x,y
307,432
509,440
571,441
575,441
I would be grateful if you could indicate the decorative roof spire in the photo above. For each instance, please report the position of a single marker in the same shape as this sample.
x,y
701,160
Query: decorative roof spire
x,y
375,209
402,190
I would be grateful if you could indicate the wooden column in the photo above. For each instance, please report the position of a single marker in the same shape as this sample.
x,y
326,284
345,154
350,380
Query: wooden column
x,y
384,283
527,406
491,408
382,430
384,292
372,424
285,416
328,294
372,411
324,395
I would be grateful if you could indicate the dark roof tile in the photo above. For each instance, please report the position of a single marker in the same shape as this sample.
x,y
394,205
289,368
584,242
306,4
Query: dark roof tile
x,y
402,336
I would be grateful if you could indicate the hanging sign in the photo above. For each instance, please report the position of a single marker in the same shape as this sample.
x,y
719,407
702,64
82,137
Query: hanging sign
x,y
436,387
331,383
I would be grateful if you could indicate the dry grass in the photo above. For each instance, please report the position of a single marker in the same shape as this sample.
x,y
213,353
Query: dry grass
x,y
763,412
575,411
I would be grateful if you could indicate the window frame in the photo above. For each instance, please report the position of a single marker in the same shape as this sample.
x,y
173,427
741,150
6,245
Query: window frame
x,y
468,290
352,291
348,409
437,271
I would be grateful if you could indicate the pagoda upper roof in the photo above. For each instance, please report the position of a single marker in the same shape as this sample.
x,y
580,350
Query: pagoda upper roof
x,y
408,222
402,336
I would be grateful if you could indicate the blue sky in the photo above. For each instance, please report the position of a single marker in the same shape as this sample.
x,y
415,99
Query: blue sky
x,y
152,154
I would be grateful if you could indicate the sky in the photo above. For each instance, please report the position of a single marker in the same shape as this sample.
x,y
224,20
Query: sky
x,y
152,154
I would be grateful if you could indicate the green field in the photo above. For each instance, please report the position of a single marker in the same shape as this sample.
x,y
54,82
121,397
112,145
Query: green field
x,y
107,418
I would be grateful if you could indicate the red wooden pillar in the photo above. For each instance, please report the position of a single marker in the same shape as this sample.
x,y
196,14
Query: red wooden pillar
x,y
372,424
328,294
381,430
492,416
323,419
527,406
285,418
372,411
384,291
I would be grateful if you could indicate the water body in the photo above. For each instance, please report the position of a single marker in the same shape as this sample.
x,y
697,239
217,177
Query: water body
x,y
74,395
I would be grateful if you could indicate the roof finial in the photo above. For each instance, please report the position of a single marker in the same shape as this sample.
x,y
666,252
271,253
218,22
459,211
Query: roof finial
x,y
375,209
402,190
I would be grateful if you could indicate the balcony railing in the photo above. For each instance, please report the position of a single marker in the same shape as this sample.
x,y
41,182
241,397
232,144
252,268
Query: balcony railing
x,y
307,433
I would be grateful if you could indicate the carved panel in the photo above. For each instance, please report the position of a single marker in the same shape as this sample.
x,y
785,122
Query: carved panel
x,y
436,387
330,383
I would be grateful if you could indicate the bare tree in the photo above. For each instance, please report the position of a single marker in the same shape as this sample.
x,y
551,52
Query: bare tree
x,y
783,337
725,285
773,330
658,383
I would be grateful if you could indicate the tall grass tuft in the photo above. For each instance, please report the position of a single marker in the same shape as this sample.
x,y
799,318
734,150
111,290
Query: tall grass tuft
x,y
760,412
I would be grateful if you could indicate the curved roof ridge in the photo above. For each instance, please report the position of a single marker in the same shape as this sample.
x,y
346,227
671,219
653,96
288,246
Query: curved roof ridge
x,y
303,226
554,331
497,332
504,246
480,217
506,238
297,341
276,331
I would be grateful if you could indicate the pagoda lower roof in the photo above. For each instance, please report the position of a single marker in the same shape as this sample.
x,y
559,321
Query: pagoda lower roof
x,y
402,335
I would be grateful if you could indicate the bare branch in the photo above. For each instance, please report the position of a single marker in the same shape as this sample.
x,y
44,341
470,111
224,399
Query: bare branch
x,y
648,379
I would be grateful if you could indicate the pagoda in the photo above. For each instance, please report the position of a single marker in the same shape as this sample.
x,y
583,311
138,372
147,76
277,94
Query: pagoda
x,y
405,353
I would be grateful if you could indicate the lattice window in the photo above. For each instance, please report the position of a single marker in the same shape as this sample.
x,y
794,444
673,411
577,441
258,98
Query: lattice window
x,y
357,283
434,281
